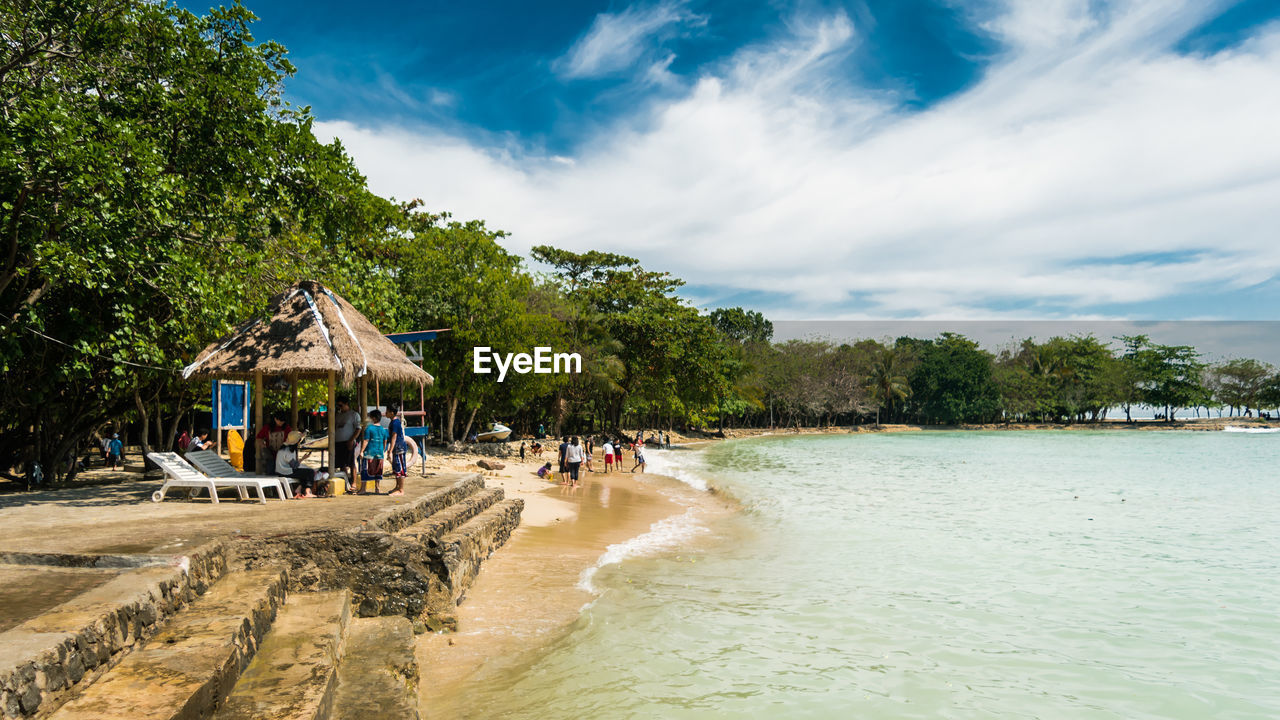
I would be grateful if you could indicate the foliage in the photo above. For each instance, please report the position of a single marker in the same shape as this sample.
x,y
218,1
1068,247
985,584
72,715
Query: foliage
x,y
952,381
153,184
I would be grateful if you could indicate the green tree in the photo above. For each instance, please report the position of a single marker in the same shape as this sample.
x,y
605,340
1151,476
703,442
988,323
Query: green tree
x,y
152,181
1167,376
457,276
952,381
1239,382
742,326
887,382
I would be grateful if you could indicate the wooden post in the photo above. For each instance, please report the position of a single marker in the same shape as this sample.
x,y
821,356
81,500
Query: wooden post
x,y
217,418
364,397
337,485
377,393
293,401
259,457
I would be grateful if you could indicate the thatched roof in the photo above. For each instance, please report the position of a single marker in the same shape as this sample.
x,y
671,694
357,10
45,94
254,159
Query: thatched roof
x,y
311,331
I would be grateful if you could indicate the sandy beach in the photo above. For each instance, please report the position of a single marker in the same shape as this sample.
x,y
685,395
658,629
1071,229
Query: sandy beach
x,y
529,593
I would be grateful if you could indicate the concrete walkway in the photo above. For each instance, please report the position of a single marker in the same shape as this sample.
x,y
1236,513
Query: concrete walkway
x,y
121,519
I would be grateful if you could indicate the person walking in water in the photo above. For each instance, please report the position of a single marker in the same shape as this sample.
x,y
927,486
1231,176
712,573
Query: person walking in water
x,y
573,457
639,458
608,455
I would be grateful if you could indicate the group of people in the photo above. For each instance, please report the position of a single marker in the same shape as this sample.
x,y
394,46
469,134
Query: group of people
x,y
576,456
362,450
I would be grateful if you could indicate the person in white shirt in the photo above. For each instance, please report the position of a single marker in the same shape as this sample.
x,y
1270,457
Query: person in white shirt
x,y
608,455
288,465
347,426
573,456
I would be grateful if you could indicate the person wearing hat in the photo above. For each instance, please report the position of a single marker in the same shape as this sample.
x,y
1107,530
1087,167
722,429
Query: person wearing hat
x,y
288,465
115,450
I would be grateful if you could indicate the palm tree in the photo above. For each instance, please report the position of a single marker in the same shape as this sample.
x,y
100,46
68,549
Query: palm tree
x,y
885,383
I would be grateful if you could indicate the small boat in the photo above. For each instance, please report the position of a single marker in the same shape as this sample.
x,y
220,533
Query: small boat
x,y
497,434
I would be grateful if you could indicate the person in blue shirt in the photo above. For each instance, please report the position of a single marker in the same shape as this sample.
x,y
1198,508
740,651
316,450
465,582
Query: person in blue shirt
x,y
398,449
373,449
115,451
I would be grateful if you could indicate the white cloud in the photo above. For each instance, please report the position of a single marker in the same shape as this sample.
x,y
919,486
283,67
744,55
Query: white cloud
x,y
616,41
772,174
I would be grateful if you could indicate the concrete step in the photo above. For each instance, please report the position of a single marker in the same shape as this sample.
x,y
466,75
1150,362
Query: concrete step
x,y
294,674
63,647
452,517
378,676
403,516
192,662
462,551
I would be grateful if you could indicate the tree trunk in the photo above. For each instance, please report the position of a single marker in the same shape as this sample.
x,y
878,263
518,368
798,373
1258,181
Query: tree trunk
x,y
143,421
466,432
452,416
180,409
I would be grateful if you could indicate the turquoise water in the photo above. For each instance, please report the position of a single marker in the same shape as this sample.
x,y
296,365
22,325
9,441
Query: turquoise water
x,y
939,575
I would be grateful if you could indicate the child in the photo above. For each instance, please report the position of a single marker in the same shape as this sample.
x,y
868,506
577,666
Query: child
x,y
398,449
373,447
608,455
545,473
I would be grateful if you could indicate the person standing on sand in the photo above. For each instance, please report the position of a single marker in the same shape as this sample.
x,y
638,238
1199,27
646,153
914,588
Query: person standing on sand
x,y
397,446
586,462
347,426
521,451
115,451
608,455
268,442
373,448
564,447
573,459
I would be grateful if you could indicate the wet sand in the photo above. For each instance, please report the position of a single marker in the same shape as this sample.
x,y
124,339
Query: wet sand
x,y
527,595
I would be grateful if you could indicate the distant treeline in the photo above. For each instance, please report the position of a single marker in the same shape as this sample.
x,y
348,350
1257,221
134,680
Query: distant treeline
x,y
156,188
950,380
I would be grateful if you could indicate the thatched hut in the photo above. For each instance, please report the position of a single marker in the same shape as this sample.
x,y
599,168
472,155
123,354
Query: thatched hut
x,y
311,334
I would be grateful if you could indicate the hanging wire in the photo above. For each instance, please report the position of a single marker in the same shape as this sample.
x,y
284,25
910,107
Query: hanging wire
x,y
98,355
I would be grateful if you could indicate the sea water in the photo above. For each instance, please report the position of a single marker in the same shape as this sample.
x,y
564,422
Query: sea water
x,y
937,575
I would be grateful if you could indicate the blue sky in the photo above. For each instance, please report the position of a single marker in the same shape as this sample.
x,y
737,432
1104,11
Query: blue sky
x,y
887,158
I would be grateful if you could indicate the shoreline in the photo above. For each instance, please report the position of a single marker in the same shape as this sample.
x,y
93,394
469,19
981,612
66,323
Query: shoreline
x,y
1186,425
535,589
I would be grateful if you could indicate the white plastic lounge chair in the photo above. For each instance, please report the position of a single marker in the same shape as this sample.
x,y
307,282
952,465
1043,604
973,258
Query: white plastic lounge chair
x,y
214,465
181,474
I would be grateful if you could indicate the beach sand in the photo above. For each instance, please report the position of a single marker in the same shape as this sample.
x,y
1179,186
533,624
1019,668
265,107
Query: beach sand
x,y
528,593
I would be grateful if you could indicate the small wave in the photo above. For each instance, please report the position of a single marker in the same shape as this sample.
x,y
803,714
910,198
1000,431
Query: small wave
x,y
1238,429
677,464
667,534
